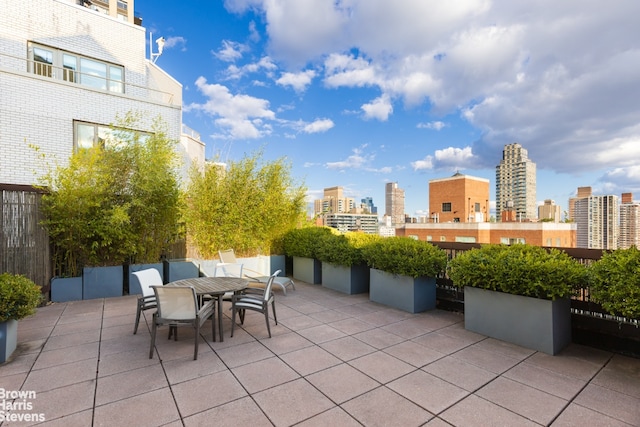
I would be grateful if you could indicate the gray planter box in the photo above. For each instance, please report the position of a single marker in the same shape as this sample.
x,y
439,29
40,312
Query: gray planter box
x,y
65,289
8,339
102,282
179,270
403,292
538,324
307,269
134,284
348,280
278,262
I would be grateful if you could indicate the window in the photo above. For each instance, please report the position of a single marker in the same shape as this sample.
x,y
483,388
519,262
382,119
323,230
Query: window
x,y
511,240
446,207
87,135
59,64
477,206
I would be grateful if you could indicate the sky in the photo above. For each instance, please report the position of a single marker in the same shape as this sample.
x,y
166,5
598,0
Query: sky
x,y
358,93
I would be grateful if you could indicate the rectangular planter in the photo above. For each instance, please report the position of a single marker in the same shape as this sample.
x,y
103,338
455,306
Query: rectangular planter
x,y
348,280
179,270
134,284
307,269
538,324
403,292
65,289
8,339
102,282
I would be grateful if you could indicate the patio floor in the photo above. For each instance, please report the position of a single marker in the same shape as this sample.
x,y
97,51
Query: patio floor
x,y
333,360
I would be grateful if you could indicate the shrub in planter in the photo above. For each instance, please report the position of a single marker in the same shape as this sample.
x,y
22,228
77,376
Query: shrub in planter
x,y
19,297
404,256
615,282
520,270
304,242
343,249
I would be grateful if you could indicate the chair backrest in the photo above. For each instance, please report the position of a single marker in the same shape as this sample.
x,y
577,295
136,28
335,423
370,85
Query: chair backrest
x,y
148,278
267,288
176,303
227,256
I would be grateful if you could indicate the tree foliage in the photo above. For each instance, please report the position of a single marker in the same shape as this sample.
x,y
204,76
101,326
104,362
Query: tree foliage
x,y
248,206
115,202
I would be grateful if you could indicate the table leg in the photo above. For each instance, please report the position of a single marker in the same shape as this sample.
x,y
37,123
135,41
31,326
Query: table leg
x,y
220,318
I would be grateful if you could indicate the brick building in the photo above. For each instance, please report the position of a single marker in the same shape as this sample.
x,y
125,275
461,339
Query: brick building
x,y
460,198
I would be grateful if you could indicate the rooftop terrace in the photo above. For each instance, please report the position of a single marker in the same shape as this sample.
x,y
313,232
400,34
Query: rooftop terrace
x,y
334,359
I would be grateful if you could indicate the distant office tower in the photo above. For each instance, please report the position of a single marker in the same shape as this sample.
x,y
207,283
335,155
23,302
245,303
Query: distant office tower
x,y
334,202
629,222
549,211
596,218
368,206
394,203
581,194
460,198
516,183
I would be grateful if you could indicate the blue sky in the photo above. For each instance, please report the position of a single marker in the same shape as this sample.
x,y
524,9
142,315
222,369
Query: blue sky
x,y
358,93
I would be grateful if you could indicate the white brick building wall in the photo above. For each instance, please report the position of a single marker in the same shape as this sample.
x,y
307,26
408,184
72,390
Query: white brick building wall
x,y
37,110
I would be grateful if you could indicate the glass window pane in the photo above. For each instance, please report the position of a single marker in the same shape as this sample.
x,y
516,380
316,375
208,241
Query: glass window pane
x,y
115,79
42,61
85,135
70,66
93,73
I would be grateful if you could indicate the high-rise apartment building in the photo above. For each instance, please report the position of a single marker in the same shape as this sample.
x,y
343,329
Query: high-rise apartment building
x,y
629,222
549,211
368,206
334,201
516,184
581,194
460,198
394,203
596,218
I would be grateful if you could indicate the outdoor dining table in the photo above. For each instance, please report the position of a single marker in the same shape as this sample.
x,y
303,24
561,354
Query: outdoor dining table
x,y
214,286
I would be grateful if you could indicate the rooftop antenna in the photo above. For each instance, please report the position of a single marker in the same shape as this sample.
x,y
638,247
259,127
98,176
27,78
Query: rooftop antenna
x,y
160,43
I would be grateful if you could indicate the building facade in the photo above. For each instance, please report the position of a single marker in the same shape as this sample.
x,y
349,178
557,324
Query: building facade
x,y
596,218
629,222
368,206
333,201
68,71
549,211
580,194
366,223
394,203
460,198
516,184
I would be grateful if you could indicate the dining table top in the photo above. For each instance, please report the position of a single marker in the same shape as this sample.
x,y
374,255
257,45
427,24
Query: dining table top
x,y
212,285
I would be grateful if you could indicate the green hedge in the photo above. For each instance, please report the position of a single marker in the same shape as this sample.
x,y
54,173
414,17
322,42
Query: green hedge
x,y
519,269
405,257
343,249
19,297
304,242
615,282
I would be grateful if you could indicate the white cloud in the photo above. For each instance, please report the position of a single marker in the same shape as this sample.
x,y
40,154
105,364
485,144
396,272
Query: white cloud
x,y
437,125
171,42
357,160
450,158
379,109
298,81
320,125
230,51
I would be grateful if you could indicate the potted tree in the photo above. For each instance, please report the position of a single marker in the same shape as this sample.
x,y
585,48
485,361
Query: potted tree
x,y
615,282
302,245
343,265
19,297
519,293
403,272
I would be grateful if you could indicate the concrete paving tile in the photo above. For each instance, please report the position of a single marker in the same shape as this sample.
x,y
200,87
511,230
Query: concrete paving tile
x,y
300,322
67,355
241,412
384,317
475,411
542,379
457,330
332,417
309,360
503,347
184,369
309,307
20,362
204,393
292,402
285,343
566,364
13,382
621,374
70,340
383,407
382,367
347,348
244,353
342,382
612,403
155,408
527,401
36,334
321,333
129,342
329,316
443,343
409,328
79,419
357,310
65,401
379,338
413,353
115,363
493,362
351,326
124,330
576,415
130,383
61,375
76,327
428,391
460,373
264,374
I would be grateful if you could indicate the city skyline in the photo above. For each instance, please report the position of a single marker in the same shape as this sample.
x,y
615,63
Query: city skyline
x,y
361,93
